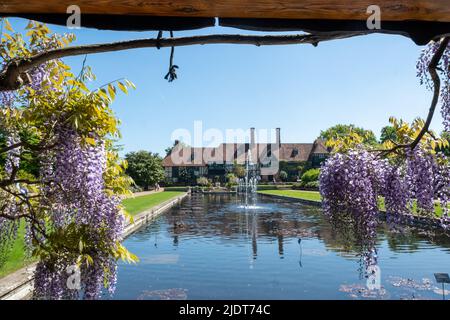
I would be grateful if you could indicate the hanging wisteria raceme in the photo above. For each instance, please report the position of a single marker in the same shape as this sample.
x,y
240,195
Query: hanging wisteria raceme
x,y
8,233
420,178
350,184
6,97
9,226
442,185
424,76
38,76
397,195
66,188
13,155
78,203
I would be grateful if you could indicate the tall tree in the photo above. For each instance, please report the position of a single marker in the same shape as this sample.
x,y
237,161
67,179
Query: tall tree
x,y
342,130
239,170
145,168
181,144
445,135
388,133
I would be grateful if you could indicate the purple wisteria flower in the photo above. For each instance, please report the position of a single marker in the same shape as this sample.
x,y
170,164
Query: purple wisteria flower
x,y
77,196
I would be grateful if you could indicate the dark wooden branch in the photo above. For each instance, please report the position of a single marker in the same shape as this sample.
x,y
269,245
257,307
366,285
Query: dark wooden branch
x,y
31,215
432,69
14,75
35,148
13,146
8,182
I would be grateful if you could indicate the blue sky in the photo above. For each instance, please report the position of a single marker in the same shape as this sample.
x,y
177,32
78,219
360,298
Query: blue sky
x,y
300,88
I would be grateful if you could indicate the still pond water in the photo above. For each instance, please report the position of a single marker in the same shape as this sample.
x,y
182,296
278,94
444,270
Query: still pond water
x,y
210,247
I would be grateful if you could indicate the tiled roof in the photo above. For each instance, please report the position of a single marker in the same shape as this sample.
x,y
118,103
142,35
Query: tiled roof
x,y
319,147
236,152
185,157
295,151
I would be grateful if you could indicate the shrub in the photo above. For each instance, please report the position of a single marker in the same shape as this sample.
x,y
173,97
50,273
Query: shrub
x,y
182,189
135,188
231,179
312,185
274,187
283,175
203,181
310,176
239,170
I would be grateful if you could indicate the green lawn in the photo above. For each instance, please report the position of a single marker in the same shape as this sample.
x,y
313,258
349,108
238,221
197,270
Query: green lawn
x,y
437,207
315,196
16,258
298,194
142,203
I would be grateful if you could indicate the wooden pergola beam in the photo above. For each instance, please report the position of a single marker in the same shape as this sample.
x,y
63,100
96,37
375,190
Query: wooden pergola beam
x,y
397,10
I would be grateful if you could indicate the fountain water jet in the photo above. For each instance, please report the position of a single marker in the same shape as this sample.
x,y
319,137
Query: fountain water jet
x,y
248,184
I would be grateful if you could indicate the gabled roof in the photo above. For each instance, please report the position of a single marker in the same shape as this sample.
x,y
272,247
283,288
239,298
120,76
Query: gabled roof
x,y
319,147
185,157
295,151
237,152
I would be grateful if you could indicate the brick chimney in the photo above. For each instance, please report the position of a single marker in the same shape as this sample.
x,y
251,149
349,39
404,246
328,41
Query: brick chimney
x,y
278,137
252,136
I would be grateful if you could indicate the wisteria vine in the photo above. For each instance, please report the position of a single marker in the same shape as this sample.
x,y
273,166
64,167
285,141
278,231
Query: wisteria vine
x,y
77,201
355,182
68,202
8,226
444,68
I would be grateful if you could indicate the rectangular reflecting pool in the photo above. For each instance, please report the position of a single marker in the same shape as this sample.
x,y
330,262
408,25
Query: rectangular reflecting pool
x,y
212,247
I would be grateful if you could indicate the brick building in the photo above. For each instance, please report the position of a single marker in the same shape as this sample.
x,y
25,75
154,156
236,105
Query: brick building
x,y
216,162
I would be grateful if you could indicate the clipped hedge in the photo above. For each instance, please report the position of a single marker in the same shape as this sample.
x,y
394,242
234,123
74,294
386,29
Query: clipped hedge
x,y
274,186
312,185
181,188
